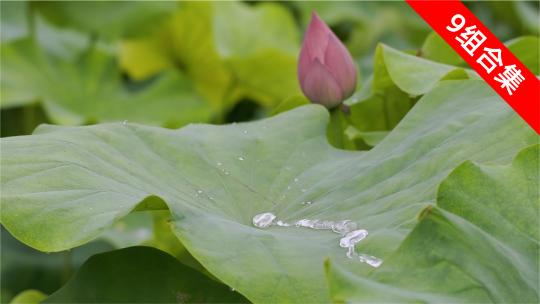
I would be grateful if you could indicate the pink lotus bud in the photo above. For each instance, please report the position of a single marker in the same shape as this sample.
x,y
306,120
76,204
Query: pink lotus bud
x,y
326,70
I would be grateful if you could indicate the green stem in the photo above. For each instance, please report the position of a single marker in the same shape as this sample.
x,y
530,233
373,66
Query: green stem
x,y
68,265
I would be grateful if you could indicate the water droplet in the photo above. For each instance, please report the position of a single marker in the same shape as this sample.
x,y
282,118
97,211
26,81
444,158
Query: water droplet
x,y
226,172
219,164
263,220
288,187
199,191
353,237
370,260
125,122
347,227
295,179
304,190
343,227
314,224
232,289
241,158
245,132
303,223
322,224
282,224
351,252
307,203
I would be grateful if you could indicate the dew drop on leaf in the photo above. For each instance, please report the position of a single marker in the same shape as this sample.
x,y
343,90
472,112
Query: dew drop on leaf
x,y
263,220
282,224
370,260
353,237
343,227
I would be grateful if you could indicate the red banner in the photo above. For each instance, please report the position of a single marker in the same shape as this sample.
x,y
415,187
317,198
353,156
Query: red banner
x,y
489,57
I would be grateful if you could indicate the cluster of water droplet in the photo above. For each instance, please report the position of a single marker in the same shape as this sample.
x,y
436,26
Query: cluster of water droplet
x,y
347,228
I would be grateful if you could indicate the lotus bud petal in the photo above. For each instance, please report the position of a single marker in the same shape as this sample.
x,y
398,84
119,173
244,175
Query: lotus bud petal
x,y
326,70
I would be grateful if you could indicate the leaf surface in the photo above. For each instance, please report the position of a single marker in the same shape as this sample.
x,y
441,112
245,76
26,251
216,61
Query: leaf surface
x,y
480,244
63,185
78,82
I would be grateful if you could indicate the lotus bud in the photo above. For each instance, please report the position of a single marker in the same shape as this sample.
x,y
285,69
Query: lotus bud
x,y
326,70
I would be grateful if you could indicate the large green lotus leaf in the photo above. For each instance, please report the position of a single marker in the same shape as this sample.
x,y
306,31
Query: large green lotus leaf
x,y
89,88
63,185
480,244
140,275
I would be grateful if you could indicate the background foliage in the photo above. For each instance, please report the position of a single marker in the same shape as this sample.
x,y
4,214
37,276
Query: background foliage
x,y
169,64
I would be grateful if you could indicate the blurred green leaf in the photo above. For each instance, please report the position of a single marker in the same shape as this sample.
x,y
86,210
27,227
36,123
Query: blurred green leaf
x,y
13,20
141,275
261,56
81,85
527,50
290,103
29,297
106,19
23,267
185,42
227,60
393,23
64,185
480,244
508,19
436,49
164,239
134,229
